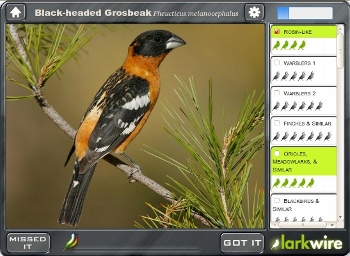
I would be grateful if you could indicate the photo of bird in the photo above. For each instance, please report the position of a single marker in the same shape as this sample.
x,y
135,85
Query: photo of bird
x,y
277,75
293,136
293,106
285,106
319,136
117,113
285,136
302,183
310,76
309,185
285,45
285,183
302,76
276,136
292,47
302,106
328,136
302,45
311,136
319,106
277,182
294,182
277,44
302,136
311,106
293,76
285,76
277,105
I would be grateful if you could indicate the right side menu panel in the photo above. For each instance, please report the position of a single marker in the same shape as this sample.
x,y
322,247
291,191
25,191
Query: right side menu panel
x,y
307,126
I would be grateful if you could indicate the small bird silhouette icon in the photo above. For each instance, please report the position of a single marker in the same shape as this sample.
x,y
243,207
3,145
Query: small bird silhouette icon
x,y
310,183
285,183
292,47
277,44
276,244
302,183
302,45
293,183
293,76
277,182
285,45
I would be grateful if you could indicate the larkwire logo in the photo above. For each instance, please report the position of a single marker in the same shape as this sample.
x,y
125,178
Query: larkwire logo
x,y
304,244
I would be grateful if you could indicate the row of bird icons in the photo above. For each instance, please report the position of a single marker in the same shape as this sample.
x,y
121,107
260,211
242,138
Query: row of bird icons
x,y
286,44
294,76
295,106
302,219
302,136
293,184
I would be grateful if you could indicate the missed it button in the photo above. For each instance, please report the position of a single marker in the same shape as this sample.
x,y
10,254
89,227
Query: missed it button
x,y
242,242
28,242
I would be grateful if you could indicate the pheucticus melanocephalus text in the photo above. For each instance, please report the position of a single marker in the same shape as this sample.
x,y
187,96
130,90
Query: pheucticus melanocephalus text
x,y
117,113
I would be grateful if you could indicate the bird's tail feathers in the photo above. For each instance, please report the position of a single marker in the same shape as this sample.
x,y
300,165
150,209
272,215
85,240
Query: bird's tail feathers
x,y
73,203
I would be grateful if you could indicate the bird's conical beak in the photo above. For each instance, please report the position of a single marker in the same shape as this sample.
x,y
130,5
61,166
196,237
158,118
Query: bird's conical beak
x,y
174,42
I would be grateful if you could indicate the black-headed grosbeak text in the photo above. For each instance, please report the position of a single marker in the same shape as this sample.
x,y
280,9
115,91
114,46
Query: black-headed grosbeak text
x,y
117,113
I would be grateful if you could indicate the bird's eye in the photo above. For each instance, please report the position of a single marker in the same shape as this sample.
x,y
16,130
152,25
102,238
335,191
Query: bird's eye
x,y
157,39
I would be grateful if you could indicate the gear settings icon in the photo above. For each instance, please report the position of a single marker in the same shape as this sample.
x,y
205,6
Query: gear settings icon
x,y
254,12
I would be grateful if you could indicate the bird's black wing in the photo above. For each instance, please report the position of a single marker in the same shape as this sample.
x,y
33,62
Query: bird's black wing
x,y
123,107
123,100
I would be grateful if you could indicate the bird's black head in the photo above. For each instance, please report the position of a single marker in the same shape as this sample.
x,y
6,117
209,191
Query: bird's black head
x,y
154,43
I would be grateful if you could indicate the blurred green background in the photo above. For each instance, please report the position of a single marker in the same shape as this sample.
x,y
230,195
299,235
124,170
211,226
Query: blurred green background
x,y
36,181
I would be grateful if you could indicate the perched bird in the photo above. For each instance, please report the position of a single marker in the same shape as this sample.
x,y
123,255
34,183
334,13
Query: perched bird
x,y
311,106
117,113
310,76
276,76
310,183
319,137
293,76
285,106
276,136
302,183
319,106
277,44
302,76
277,182
293,45
302,45
302,106
285,76
311,136
276,106
293,136
285,136
293,183
285,183
329,135
302,136
293,106
285,45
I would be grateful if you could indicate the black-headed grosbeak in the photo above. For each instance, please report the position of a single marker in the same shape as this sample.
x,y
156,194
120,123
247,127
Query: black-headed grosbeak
x,y
117,113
